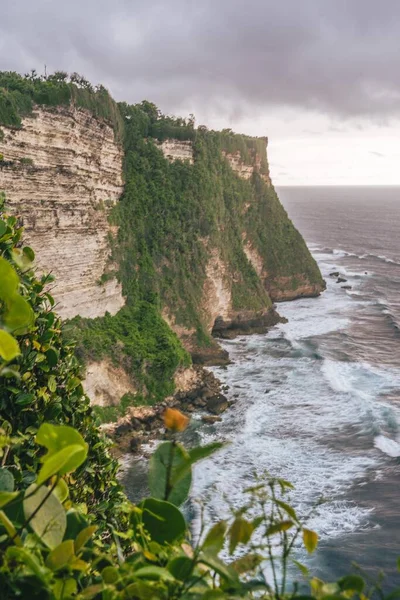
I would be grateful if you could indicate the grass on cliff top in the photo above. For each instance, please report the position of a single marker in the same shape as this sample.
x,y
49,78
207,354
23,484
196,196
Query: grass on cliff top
x,y
19,94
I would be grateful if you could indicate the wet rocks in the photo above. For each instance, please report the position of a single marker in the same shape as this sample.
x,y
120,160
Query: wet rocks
x,y
346,287
341,280
211,419
217,404
143,423
334,274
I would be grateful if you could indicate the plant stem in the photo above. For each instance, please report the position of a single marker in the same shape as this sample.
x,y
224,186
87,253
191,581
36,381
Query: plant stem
x,y
168,486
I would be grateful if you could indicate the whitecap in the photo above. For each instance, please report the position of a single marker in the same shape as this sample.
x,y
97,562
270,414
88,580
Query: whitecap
x,y
387,445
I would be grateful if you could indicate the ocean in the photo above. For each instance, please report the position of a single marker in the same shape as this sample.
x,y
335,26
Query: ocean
x,y
317,399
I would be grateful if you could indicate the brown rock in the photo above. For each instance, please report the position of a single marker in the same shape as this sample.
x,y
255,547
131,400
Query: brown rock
x,y
210,420
135,443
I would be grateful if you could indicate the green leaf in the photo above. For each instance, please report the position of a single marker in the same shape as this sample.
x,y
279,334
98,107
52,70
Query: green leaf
x,y
61,490
6,480
9,348
76,522
352,582
288,509
29,253
240,533
310,539
18,316
24,399
57,437
64,461
192,457
51,383
3,228
181,567
84,536
110,575
29,560
73,383
48,520
21,259
285,484
227,572
61,556
302,568
9,280
52,357
159,470
155,573
162,520
214,540
278,527
201,452
247,563
6,497
64,589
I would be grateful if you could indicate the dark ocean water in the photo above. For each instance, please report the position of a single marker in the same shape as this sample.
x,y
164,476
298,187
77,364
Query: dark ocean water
x,y
317,400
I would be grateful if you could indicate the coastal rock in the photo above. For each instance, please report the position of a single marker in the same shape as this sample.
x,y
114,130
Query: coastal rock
x,y
217,404
210,420
334,274
346,287
341,280
285,289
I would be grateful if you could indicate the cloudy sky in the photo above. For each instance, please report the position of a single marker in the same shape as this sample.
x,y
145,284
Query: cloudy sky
x,y
321,78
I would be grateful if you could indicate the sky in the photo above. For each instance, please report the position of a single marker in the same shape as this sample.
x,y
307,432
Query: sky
x,y
320,78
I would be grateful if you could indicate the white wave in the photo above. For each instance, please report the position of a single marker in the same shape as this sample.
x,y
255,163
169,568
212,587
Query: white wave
x,y
388,260
293,408
348,273
388,446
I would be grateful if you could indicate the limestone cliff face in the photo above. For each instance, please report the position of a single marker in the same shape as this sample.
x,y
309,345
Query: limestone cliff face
x,y
284,288
183,150
62,172
177,150
246,169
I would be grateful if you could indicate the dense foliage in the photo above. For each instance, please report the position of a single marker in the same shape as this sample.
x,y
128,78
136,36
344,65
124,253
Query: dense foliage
x,y
18,95
171,217
44,382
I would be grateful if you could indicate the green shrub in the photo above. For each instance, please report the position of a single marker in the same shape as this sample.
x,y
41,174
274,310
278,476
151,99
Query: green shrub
x,y
18,95
43,383
28,162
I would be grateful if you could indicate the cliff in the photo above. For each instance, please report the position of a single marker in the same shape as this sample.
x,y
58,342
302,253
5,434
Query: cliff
x,y
62,172
195,245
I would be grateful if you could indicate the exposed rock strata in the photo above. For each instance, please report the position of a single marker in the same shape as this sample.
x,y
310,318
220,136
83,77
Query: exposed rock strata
x,y
284,289
105,384
62,172
177,150
246,170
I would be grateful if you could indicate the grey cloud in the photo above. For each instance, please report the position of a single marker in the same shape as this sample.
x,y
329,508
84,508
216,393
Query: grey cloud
x,y
379,154
340,58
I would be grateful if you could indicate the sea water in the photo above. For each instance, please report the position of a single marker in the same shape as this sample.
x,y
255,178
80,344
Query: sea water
x,y
317,399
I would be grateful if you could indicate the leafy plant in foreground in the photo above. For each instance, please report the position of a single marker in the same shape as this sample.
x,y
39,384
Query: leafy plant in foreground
x,y
54,546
